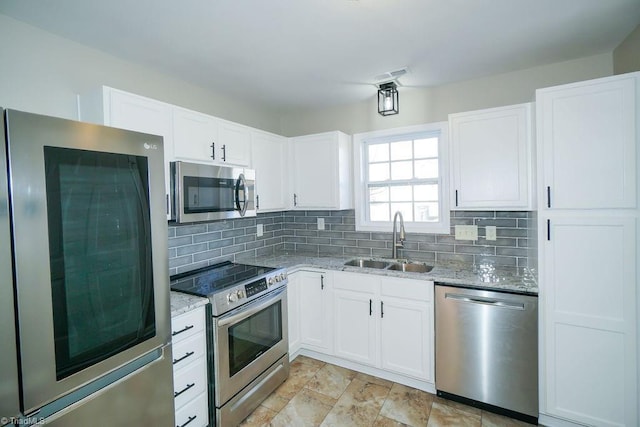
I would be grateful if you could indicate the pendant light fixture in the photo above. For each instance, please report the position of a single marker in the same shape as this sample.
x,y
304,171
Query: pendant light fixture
x,y
388,99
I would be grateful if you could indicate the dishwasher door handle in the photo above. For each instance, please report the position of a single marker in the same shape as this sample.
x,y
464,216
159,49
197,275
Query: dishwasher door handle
x,y
485,301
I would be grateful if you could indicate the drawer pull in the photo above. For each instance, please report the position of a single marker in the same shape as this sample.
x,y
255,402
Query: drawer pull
x,y
190,353
186,328
188,421
178,393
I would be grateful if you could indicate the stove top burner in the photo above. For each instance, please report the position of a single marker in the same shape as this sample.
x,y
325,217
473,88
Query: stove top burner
x,y
229,285
210,280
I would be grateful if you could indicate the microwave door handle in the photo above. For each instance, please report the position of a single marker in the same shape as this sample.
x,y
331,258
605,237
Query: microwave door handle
x,y
245,189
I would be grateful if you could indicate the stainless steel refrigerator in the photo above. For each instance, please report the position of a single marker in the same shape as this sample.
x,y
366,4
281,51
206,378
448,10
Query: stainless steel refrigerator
x,y
84,263
9,404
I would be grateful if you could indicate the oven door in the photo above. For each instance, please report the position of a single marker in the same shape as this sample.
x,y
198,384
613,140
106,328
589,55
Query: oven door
x,y
205,192
247,341
90,245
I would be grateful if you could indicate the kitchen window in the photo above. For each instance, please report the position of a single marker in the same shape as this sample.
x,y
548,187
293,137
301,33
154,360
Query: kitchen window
x,y
404,170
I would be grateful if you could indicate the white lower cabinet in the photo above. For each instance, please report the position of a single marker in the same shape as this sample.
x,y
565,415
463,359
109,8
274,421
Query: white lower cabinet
x,y
380,322
406,327
589,320
316,317
355,328
293,312
190,368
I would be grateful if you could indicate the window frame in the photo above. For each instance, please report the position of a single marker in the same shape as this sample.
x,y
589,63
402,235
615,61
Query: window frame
x,y
360,142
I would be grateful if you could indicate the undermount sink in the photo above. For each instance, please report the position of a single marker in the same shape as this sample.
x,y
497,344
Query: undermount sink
x,y
412,267
367,263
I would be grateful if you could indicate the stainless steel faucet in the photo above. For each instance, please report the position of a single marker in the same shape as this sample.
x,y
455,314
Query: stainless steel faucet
x,y
397,240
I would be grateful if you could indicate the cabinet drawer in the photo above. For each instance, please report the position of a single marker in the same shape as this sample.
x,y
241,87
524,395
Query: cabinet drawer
x,y
187,350
189,382
187,324
194,413
355,282
407,288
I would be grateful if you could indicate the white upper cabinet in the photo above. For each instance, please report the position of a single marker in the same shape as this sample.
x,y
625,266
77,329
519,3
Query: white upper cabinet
x,y
321,171
206,139
491,159
115,108
588,134
196,137
236,143
269,159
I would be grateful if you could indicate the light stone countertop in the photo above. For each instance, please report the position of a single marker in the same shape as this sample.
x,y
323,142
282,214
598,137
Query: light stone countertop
x,y
461,274
182,303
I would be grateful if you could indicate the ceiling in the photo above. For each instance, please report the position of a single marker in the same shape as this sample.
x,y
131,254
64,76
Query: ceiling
x,y
291,54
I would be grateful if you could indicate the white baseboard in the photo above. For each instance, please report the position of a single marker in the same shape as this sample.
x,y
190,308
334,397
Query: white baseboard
x,y
400,379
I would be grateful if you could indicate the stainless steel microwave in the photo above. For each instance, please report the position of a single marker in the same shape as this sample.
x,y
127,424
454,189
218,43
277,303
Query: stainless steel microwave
x,y
201,192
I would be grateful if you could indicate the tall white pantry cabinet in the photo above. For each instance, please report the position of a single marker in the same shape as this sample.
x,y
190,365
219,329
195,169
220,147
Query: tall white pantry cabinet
x,y
587,139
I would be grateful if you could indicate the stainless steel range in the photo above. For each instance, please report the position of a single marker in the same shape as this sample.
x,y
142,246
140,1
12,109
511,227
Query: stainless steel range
x,y
249,342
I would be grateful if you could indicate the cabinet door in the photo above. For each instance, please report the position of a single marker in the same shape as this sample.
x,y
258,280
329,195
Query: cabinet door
x,y
133,112
269,159
406,327
293,312
316,317
405,337
354,328
587,142
315,171
589,320
491,158
196,137
236,143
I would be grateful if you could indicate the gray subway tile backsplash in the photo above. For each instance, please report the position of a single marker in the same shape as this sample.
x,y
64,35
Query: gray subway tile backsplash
x,y
197,245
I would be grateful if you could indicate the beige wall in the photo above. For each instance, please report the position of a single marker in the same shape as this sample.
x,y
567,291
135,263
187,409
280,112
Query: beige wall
x,y
434,104
42,73
626,57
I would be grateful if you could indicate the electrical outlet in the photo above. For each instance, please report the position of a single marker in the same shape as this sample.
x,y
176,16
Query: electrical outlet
x,y
466,232
490,231
320,223
259,230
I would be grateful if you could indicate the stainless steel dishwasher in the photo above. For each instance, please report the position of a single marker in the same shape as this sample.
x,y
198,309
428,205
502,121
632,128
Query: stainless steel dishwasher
x,y
487,350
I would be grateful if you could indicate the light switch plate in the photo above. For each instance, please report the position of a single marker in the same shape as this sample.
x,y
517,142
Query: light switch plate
x,y
259,230
320,223
466,232
491,232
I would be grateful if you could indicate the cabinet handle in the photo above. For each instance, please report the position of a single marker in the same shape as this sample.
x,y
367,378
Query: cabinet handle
x,y
295,199
168,211
186,328
548,229
456,197
188,421
178,393
321,281
381,309
257,202
548,196
370,306
224,153
188,354
213,150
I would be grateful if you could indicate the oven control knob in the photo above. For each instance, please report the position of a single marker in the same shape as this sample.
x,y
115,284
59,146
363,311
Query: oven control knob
x,y
277,278
240,294
282,276
232,297
271,281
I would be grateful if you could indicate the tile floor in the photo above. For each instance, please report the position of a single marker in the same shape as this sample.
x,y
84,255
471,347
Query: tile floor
x,y
321,394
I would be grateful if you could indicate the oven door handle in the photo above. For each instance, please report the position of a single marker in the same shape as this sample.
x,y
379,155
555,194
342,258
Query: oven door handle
x,y
242,183
250,309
